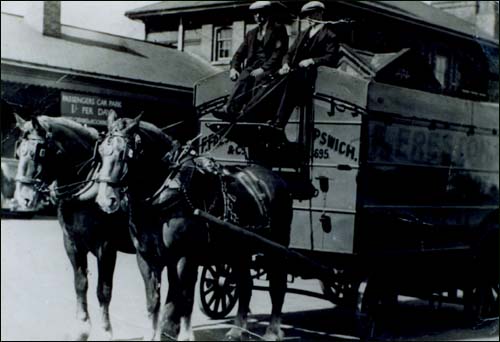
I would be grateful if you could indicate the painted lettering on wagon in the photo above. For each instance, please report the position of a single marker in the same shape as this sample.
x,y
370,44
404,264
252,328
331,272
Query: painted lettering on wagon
x,y
398,143
210,141
334,144
213,141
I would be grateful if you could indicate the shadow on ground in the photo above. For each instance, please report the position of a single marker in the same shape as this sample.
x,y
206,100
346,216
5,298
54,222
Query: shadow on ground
x,y
412,320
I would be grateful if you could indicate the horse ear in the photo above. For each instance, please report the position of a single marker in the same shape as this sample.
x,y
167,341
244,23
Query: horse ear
x,y
134,125
138,118
37,126
19,121
111,118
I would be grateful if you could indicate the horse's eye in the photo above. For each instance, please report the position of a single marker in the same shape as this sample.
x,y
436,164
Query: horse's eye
x,y
42,153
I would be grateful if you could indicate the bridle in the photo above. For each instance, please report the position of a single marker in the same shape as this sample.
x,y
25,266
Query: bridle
x,y
45,150
130,153
41,151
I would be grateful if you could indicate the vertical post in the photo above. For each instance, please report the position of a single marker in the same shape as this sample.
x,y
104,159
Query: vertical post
x,y
238,35
496,15
180,36
207,32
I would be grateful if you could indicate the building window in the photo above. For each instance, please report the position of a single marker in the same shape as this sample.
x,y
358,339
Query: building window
x,y
223,43
440,68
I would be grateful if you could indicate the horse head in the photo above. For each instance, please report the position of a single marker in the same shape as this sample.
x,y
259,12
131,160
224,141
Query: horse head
x,y
52,154
36,152
120,148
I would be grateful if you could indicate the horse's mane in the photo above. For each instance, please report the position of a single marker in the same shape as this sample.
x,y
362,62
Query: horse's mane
x,y
48,122
147,131
153,130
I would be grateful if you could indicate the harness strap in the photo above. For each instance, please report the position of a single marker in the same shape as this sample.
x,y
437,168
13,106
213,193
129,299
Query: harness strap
x,y
79,188
27,180
256,188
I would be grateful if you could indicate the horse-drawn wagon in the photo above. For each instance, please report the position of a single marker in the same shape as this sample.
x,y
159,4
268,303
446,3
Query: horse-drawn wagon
x,y
395,190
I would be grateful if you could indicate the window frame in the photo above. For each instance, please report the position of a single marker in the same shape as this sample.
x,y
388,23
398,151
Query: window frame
x,y
217,46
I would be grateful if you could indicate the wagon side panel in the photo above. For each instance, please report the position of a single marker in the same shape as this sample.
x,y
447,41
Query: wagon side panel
x,y
327,222
430,171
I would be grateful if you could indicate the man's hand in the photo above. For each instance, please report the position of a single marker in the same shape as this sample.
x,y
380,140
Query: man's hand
x,y
233,74
285,69
257,72
306,63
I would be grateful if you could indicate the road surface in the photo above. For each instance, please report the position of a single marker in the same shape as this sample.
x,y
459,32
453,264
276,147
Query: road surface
x,y
38,301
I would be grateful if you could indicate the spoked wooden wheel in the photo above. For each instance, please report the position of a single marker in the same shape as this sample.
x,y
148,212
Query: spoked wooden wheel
x,y
218,294
483,298
369,298
485,302
340,291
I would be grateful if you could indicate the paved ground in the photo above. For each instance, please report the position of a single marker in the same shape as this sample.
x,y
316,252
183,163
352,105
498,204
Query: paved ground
x,y
38,301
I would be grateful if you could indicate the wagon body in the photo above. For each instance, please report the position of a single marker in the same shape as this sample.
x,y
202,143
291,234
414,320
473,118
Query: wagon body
x,y
397,170
395,191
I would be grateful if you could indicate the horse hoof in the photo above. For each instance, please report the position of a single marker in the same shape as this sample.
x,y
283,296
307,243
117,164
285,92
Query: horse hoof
x,y
105,335
186,337
82,337
83,331
273,336
151,336
234,334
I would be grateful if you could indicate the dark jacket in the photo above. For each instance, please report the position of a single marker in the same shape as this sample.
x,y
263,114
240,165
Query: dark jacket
x,y
275,47
322,48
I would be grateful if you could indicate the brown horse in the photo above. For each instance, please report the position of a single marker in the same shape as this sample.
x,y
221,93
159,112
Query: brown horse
x,y
60,153
187,242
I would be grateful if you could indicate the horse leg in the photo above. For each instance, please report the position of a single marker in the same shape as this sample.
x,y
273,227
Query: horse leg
x,y
106,260
170,323
244,283
152,283
277,289
188,274
78,259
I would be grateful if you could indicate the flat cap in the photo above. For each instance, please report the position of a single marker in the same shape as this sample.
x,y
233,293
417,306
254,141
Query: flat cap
x,y
312,6
259,5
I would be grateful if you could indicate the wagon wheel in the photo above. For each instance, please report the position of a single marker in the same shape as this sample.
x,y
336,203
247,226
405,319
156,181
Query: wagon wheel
x,y
339,291
218,294
483,301
368,300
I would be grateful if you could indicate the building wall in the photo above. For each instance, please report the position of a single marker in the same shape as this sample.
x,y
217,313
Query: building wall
x,y
459,65
201,40
483,14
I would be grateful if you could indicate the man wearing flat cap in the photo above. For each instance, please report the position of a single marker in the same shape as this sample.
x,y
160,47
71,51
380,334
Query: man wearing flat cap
x,y
260,54
315,46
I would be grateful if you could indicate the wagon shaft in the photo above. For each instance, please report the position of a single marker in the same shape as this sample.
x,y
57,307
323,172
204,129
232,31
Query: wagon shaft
x,y
306,266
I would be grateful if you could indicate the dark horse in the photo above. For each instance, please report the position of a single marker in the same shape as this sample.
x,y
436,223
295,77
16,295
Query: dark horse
x,y
197,182
58,152
138,148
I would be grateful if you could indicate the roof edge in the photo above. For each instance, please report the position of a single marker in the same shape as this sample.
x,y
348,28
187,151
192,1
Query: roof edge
x,y
72,72
136,14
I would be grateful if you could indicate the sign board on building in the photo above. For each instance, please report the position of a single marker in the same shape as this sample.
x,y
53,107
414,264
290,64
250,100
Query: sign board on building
x,y
89,109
